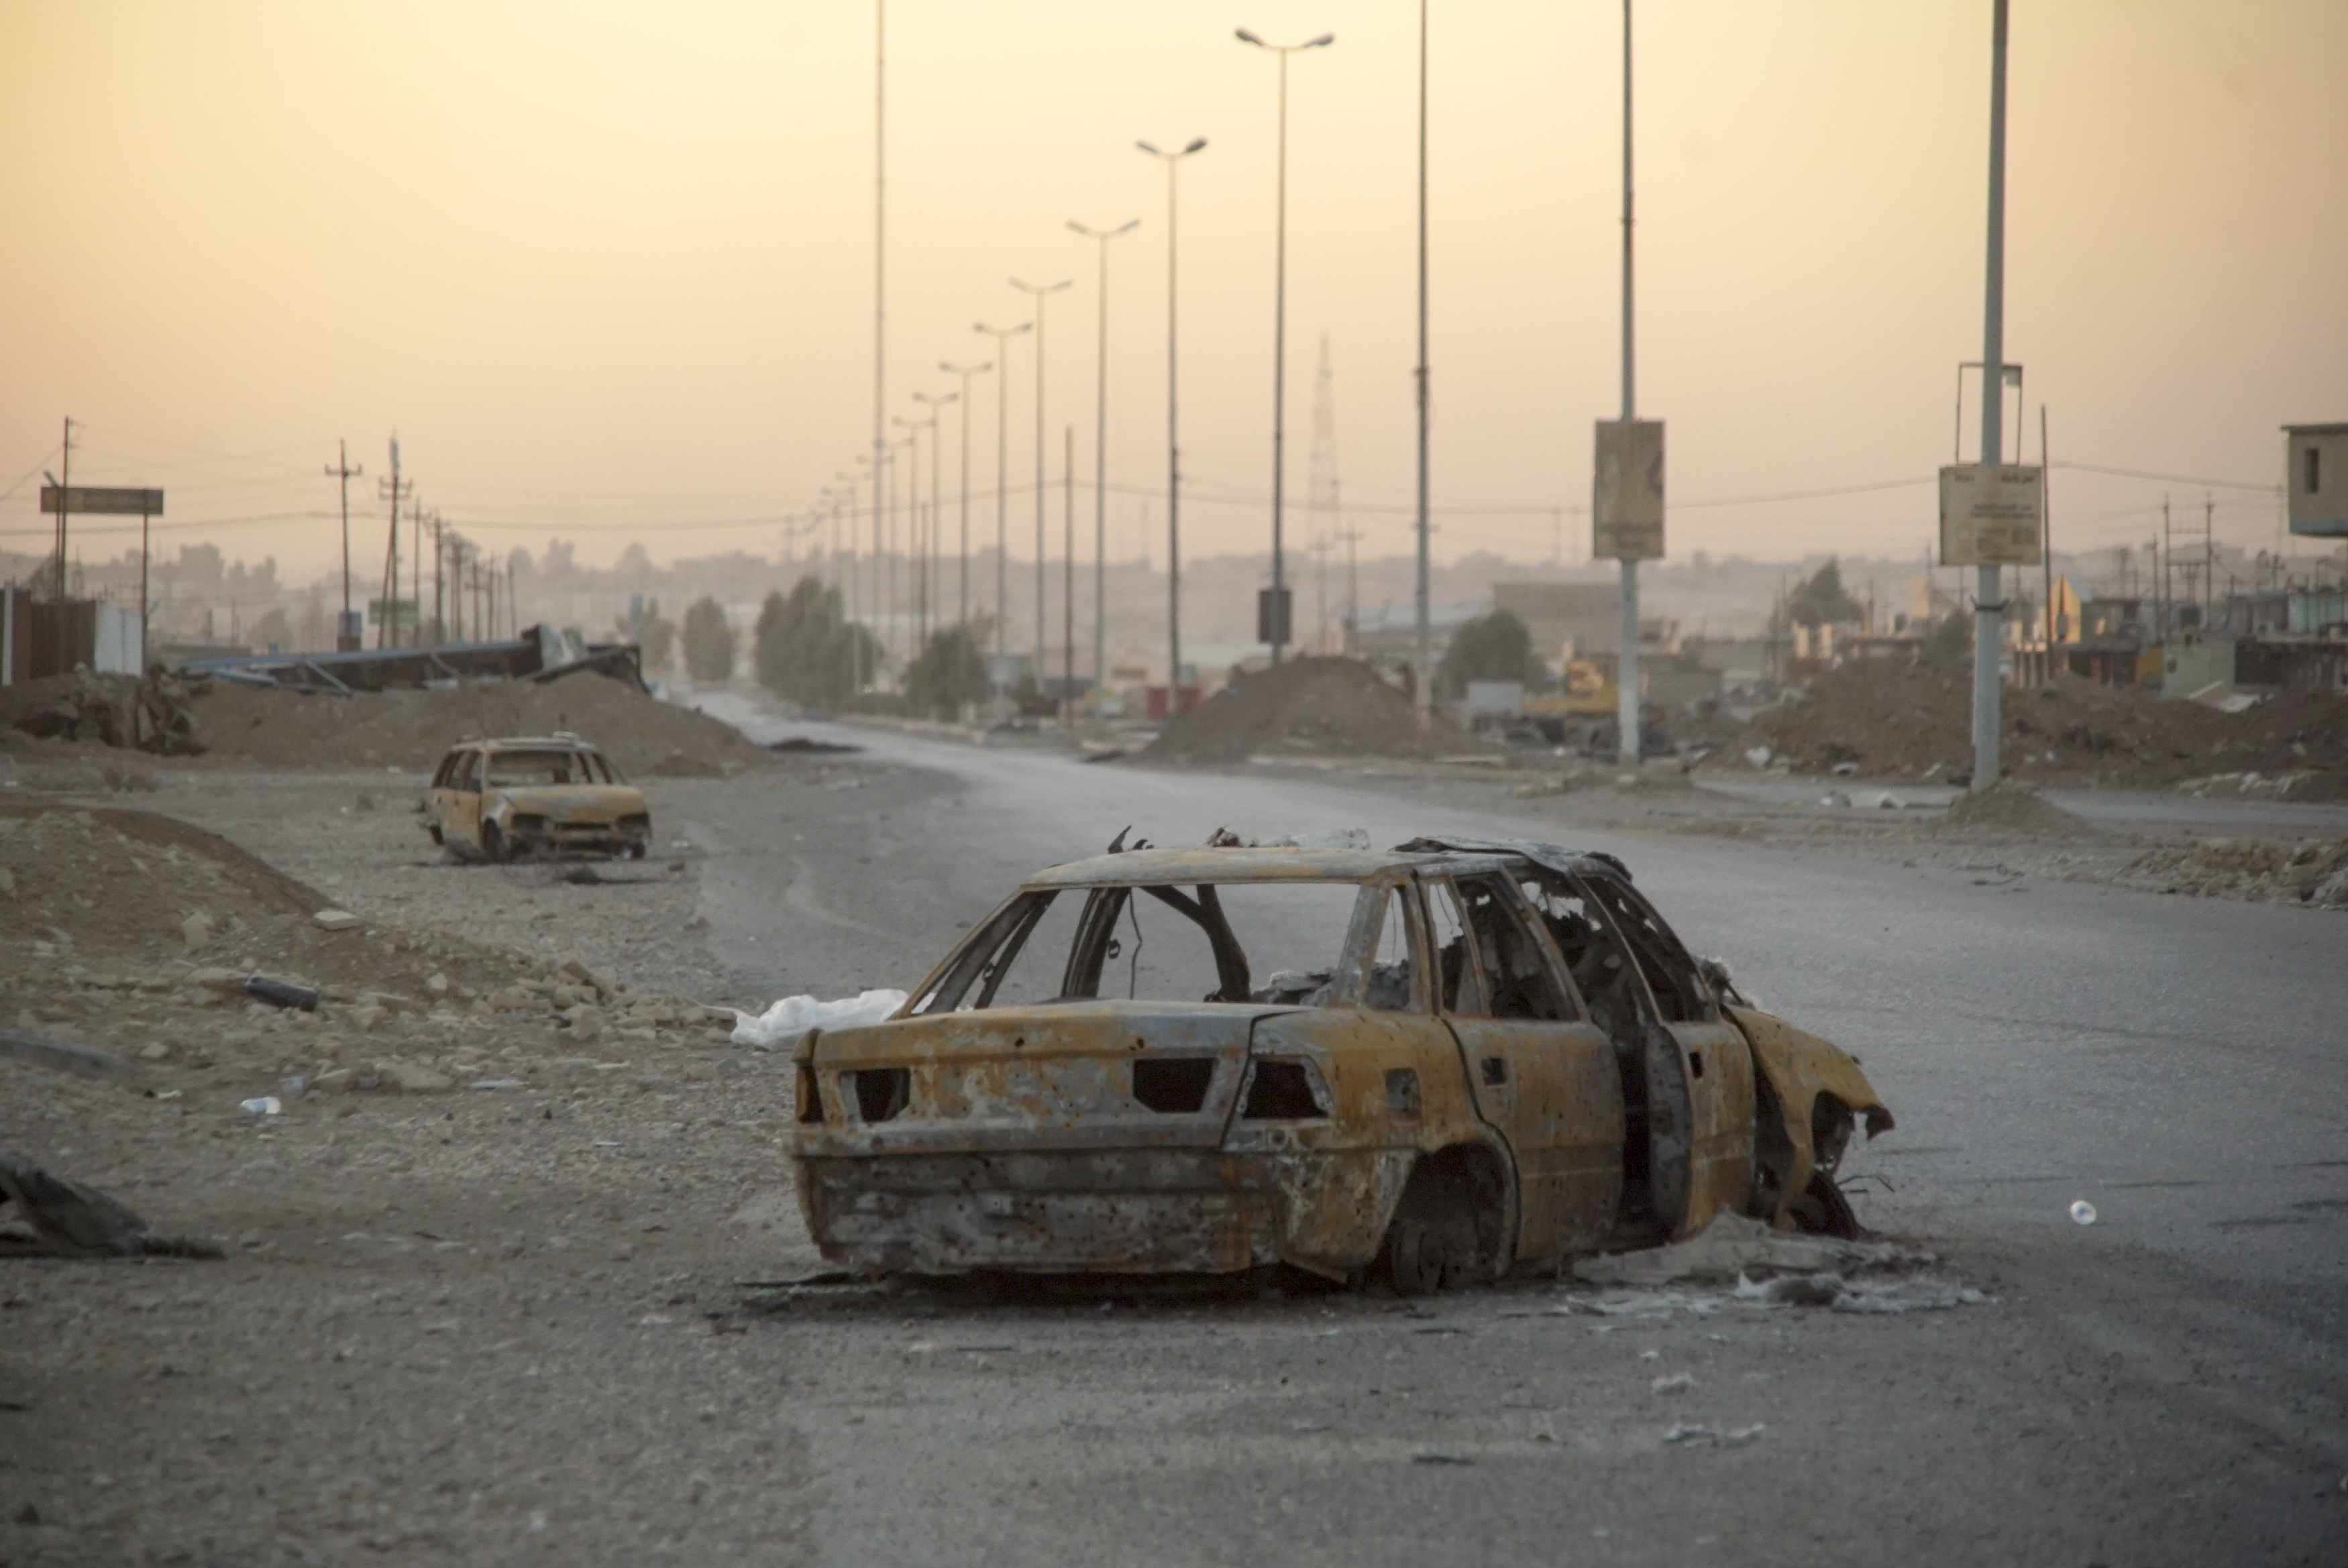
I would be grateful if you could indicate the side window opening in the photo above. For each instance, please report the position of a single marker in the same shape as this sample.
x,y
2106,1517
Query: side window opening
x,y
1389,980
1457,991
2314,469
1681,995
1517,982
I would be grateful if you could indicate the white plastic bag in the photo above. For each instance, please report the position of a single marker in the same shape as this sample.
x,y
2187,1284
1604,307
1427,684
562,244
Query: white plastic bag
x,y
794,1016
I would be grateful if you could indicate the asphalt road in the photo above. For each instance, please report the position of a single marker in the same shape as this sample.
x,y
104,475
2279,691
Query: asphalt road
x,y
2117,808
2166,1385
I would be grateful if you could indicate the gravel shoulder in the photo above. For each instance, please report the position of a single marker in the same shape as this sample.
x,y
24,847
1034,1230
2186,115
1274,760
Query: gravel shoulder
x,y
461,1325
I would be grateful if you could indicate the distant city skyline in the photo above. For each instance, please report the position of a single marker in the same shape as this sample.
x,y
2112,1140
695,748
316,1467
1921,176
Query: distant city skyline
x,y
608,273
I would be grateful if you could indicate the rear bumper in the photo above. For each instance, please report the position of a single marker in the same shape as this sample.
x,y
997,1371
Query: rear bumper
x,y
1169,1211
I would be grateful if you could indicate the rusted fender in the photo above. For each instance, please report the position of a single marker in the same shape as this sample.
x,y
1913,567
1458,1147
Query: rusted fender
x,y
1800,1067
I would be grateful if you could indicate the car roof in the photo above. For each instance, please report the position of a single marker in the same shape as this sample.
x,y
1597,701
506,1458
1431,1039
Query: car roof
x,y
535,743
1137,867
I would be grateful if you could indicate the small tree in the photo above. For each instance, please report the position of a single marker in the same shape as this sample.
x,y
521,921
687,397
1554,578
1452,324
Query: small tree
x,y
1820,598
658,637
950,672
807,650
1494,647
708,643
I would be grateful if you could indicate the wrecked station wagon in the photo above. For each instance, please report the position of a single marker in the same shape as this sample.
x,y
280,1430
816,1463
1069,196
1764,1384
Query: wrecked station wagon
x,y
1428,1065
524,797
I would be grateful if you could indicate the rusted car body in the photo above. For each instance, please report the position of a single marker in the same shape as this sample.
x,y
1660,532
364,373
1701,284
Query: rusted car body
x,y
530,796
1503,1056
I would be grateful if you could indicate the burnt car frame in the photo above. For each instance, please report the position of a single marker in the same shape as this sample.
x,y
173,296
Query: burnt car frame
x,y
1510,1059
524,797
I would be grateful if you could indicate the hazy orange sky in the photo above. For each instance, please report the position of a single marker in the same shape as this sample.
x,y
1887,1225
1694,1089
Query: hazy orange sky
x,y
607,268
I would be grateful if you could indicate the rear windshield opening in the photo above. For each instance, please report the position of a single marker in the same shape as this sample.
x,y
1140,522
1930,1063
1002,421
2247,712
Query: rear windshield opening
x,y
881,1092
1284,943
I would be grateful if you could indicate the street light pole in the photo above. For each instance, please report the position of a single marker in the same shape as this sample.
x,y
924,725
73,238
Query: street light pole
x,y
929,610
1100,464
961,603
1042,293
1001,336
1626,659
1173,447
1278,625
1989,611
1422,682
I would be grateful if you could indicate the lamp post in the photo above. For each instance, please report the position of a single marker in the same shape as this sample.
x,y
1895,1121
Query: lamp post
x,y
1277,622
1100,464
1042,293
1423,682
962,602
931,614
1001,336
917,560
1173,445
1989,611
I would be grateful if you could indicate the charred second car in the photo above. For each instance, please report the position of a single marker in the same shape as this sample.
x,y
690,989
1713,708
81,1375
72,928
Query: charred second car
x,y
527,797
1429,1064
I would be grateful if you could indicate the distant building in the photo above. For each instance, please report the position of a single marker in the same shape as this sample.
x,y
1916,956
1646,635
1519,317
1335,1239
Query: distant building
x,y
2316,480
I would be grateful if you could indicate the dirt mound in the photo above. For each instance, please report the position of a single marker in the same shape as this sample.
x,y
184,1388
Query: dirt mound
x,y
1890,719
1326,706
2009,808
270,728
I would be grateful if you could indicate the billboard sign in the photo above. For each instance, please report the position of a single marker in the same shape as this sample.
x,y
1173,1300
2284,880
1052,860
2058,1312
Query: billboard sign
x,y
1626,513
1990,514
96,501
393,612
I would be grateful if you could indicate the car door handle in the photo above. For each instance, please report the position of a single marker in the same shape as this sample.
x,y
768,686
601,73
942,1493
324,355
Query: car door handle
x,y
1495,1070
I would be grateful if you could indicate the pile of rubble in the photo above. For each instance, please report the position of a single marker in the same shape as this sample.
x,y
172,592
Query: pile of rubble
x,y
151,715
2312,872
140,936
1321,706
1884,720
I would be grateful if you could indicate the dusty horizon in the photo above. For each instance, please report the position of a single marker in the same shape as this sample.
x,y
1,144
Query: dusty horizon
x,y
609,276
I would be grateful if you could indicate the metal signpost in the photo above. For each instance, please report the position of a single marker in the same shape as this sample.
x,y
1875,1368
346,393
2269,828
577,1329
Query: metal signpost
x,y
61,501
1626,513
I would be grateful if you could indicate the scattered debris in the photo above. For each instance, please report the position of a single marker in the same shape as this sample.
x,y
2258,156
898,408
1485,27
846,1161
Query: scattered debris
x,y
1675,1383
149,714
85,1060
2084,1211
281,993
2310,872
54,1216
1733,1246
335,920
1714,1437
794,1016
807,745
262,1105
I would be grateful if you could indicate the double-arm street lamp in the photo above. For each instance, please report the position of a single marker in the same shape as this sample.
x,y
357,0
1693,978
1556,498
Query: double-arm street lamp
x,y
1277,621
1100,464
932,610
1042,293
1001,336
1173,447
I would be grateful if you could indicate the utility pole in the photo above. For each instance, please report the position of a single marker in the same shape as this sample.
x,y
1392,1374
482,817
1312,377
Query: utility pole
x,y
64,505
394,490
1100,461
1989,611
1321,478
2046,537
1173,445
1042,293
347,630
1423,678
962,600
440,551
1350,538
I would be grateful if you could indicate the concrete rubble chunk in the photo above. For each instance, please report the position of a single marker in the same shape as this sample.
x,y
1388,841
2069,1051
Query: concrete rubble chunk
x,y
409,1078
335,920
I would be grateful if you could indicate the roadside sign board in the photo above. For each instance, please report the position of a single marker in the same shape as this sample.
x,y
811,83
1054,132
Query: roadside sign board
x,y
1990,514
1626,513
401,612
96,501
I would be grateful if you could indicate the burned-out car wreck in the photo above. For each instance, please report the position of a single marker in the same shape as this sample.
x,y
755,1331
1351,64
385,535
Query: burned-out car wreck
x,y
1428,1065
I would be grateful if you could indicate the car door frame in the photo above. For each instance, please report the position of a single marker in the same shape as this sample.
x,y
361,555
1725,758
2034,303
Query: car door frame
x,y
1548,1087
1715,1062
460,819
